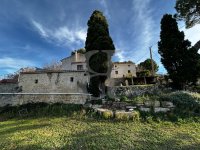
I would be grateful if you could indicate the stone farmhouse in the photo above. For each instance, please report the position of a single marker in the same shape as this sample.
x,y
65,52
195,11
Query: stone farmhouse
x,y
66,85
72,78
123,69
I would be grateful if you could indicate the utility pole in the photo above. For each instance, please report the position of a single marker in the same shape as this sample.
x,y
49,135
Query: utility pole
x,y
152,65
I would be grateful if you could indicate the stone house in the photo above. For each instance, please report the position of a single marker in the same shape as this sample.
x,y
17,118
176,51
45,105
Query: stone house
x,y
76,61
123,69
54,82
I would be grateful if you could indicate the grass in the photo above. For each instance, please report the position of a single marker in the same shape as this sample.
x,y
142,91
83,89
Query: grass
x,y
81,132
60,126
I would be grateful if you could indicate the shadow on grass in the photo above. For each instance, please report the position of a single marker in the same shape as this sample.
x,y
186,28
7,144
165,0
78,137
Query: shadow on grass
x,y
14,129
153,139
96,139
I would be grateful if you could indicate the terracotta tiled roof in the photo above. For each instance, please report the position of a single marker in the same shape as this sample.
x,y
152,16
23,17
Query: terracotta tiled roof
x,y
8,81
52,71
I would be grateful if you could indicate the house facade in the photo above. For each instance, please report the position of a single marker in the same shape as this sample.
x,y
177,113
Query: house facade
x,y
76,61
123,69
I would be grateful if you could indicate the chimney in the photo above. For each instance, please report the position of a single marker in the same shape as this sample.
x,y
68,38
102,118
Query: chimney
x,y
76,57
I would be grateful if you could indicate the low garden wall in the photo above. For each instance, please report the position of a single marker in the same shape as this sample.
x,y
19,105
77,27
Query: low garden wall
x,y
15,100
131,91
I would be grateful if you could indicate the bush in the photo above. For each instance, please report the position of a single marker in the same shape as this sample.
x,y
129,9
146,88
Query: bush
x,y
40,109
122,116
140,99
186,103
123,99
107,114
135,116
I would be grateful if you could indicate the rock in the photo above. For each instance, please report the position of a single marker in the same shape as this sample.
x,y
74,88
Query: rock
x,y
130,108
152,104
96,106
139,104
87,105
144,109
117,100
148,103
167,104
161,109
156,103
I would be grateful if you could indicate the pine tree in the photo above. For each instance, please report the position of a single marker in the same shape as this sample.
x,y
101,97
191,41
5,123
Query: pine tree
x,y
178,57
189,11
98,38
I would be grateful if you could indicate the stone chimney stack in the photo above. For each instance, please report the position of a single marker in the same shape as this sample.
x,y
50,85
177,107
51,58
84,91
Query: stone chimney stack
x,y
76,56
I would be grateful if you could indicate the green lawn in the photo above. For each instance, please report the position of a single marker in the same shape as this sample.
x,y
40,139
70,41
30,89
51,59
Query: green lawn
x,y
86,133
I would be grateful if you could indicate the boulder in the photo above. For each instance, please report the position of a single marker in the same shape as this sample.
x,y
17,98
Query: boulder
x,y
144,109
152,103
161,109
167,104
130,108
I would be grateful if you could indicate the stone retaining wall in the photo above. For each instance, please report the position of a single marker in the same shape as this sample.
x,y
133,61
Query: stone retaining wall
x,y
130,91
14,100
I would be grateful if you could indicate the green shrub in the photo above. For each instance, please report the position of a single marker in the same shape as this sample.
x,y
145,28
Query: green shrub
x,y
186,103
135,116
121,116
40,109
140,99
107,114
123,99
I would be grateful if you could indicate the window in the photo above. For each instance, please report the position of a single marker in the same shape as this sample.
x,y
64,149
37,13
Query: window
x,y
129,71
72,79
129,65
116,72
79,67
36,81
85,74
115,66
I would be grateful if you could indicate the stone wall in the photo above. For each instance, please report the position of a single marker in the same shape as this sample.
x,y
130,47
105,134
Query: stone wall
x,y
43,86
14,100
8,87
130,91
54,82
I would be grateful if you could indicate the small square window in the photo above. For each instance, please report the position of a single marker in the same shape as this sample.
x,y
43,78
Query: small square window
x,y
79,67
129,71
85,74
129,65
116,72
72,79
36,81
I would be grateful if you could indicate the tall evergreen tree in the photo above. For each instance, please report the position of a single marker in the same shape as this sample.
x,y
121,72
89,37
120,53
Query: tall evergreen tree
x,y
98,38
177,55
189,11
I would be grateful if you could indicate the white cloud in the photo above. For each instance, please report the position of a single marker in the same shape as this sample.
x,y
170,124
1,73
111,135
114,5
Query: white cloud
x,y
143,22
40,28
13,64
193,34
120,55
143,27
61,35
105,6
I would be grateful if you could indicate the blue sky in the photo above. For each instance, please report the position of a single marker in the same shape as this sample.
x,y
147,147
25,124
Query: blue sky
x,y
37,32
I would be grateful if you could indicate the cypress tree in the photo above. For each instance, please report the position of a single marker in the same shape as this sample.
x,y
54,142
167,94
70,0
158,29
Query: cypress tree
x,y
98,38
178,57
